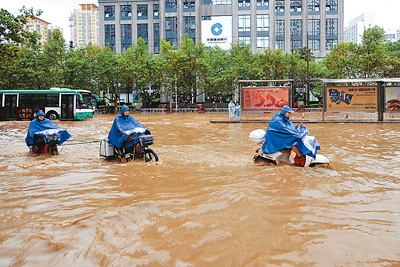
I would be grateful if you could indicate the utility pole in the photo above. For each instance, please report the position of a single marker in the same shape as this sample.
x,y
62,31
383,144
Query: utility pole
x,y
308,74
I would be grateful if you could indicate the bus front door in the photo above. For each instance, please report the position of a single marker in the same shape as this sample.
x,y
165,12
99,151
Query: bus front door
x,y
10,107
67,107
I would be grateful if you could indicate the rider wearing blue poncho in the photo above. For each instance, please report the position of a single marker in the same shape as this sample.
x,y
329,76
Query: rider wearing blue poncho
x,y
282,133
123,128
40,124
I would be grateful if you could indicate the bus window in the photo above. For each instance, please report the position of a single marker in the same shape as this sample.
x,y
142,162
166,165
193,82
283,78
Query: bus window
x,y
39,99
52,100
25,100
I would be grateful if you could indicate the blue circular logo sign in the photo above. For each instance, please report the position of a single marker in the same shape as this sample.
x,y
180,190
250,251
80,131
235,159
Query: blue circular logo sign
x,y
216,29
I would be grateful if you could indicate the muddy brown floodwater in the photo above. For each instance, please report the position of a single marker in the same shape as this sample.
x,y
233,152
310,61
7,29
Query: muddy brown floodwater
x,y
205,203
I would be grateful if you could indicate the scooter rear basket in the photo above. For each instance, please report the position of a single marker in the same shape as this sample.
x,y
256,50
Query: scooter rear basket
x,y
146,140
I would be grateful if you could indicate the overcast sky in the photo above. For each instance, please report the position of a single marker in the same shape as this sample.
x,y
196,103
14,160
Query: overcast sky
x,y
57,12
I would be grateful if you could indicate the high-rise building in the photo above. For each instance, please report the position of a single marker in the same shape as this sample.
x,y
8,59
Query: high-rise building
x,y
42,27
398,34
84,24
284,24
354,32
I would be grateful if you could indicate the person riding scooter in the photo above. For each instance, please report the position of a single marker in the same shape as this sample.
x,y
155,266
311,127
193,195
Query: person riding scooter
x,y
43,133
282,133
125,133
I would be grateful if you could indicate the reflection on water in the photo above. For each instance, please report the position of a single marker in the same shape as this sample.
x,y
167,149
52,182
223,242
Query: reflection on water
x,y
204,203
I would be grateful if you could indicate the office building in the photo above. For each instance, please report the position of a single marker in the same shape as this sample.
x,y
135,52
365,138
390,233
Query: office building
x,y
84,25
284,24
354,32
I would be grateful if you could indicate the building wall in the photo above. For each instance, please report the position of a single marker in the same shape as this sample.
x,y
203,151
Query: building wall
x,y
84,24
253,21
41,27
354,32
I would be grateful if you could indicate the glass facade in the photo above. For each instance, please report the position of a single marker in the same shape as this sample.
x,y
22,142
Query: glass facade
x,y
188,5
216,2
126,12
156,38
314,34
171,31
170,5
331,5
156,11
245,40
296,33
280,34
280,6
109,36
332,31
262,3
109,13
244,23
189,24
142,12
296,6
143,32
313,5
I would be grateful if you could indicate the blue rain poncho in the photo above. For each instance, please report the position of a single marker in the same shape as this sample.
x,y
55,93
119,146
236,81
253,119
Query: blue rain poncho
x,y
282,133
126,131
41,129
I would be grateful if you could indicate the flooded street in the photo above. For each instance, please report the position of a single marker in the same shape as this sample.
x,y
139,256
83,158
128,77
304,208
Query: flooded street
x,y
205,203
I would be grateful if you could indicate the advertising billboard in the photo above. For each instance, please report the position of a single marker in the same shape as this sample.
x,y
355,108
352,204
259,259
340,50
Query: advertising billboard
x,y
265,98
217,31
352,98
392,100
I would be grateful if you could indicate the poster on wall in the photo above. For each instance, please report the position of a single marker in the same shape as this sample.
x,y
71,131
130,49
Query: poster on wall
x,y
392,103
352,98
217,31
265,98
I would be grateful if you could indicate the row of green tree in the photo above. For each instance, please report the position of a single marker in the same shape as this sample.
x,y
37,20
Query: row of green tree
x,y
190,70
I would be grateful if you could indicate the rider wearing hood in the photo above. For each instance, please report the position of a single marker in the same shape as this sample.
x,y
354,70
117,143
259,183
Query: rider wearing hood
x,y
123,123
282,133
40,123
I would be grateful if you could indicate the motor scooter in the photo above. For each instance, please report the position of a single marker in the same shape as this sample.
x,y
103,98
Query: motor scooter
x,y
135,146
46,142
285,156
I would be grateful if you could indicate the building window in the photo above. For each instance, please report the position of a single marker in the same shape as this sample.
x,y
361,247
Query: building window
x,y
124,47
126,12
314,44
330,44
313,27
109,32
296,27
245,40
262,23
126,32
156,38
170,4
296,5
244,23
296,33
216,2
188,4
244,3
263,42
313,5
331,5
280,28
142,11
331,27
109,12
262,2
280,6
171,31
142,32
280,45
331,33
156,10
189,24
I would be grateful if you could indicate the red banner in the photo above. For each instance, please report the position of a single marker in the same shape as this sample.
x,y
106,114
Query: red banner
x,y
265,98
